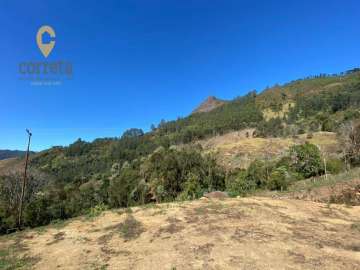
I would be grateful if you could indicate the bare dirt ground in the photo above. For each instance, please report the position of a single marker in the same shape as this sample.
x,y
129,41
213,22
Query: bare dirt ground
x,y
236,150
245,233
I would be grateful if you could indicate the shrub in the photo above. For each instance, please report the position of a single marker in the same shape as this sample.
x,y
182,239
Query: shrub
x,y
191,188
351,114
328,125
306,159
356,226
284,162
170,172
272,128
97,210
257,173
335,166
240,184
121,187
131,228
278,179
36,212
348,196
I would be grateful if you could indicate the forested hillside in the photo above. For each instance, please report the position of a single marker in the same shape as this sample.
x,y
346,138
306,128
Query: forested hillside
x,y
166,164
4,154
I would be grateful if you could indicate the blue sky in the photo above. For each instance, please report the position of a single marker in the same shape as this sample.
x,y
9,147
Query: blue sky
x,y
137,62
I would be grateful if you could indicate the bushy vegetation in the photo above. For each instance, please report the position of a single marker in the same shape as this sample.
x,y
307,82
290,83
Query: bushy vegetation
x,y
303,161
167,174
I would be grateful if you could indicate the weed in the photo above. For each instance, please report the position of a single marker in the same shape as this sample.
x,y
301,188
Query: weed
x,y
356,226
331,180
97,266
159,212
130,228
40,230
211,208
149,206
96,211
10,261
128,210
58,224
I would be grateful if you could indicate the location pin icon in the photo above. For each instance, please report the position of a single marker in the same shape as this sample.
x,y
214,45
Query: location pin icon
x,y
45,48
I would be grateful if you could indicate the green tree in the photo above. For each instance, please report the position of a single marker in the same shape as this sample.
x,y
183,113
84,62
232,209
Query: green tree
x,y
306,159
122,186
278,179
257,173
240,184
132,132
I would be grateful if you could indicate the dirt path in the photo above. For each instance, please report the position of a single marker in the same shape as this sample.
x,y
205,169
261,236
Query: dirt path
x,y
249,233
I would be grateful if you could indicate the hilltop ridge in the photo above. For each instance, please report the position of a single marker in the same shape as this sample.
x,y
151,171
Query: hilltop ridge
x,y
5,154
209,104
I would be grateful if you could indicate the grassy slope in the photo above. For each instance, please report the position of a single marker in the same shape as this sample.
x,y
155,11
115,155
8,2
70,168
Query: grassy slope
x,y
10,163
288,92
237,151
248,233
5,154
344,186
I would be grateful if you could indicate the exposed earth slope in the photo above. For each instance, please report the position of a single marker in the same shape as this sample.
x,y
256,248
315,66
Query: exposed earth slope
x,y
209,104
247,233
238,149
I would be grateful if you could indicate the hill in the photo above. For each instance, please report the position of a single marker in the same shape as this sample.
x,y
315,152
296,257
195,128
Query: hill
x,y
318,103
247,233
4,154
264,141
237,149
9,164
209,104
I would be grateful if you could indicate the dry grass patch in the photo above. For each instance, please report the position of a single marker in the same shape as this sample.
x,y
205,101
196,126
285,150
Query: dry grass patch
x,y
245,233
356,226
235,150
14,256
130,228
57,238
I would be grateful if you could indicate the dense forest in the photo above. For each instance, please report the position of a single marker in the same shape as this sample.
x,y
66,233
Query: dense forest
x,y
166,164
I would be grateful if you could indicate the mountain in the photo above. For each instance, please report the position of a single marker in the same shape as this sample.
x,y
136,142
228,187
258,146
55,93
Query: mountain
x,y
209,104
314,104
4,154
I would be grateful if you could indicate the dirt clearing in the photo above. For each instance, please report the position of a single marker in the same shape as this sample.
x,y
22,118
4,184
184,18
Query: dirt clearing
x,y
247,233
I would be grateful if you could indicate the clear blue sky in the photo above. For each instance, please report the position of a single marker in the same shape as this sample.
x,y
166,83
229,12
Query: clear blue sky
x,y
136,62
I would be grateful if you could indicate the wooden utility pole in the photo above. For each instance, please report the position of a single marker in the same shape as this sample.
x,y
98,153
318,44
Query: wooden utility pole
x,y
24,180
